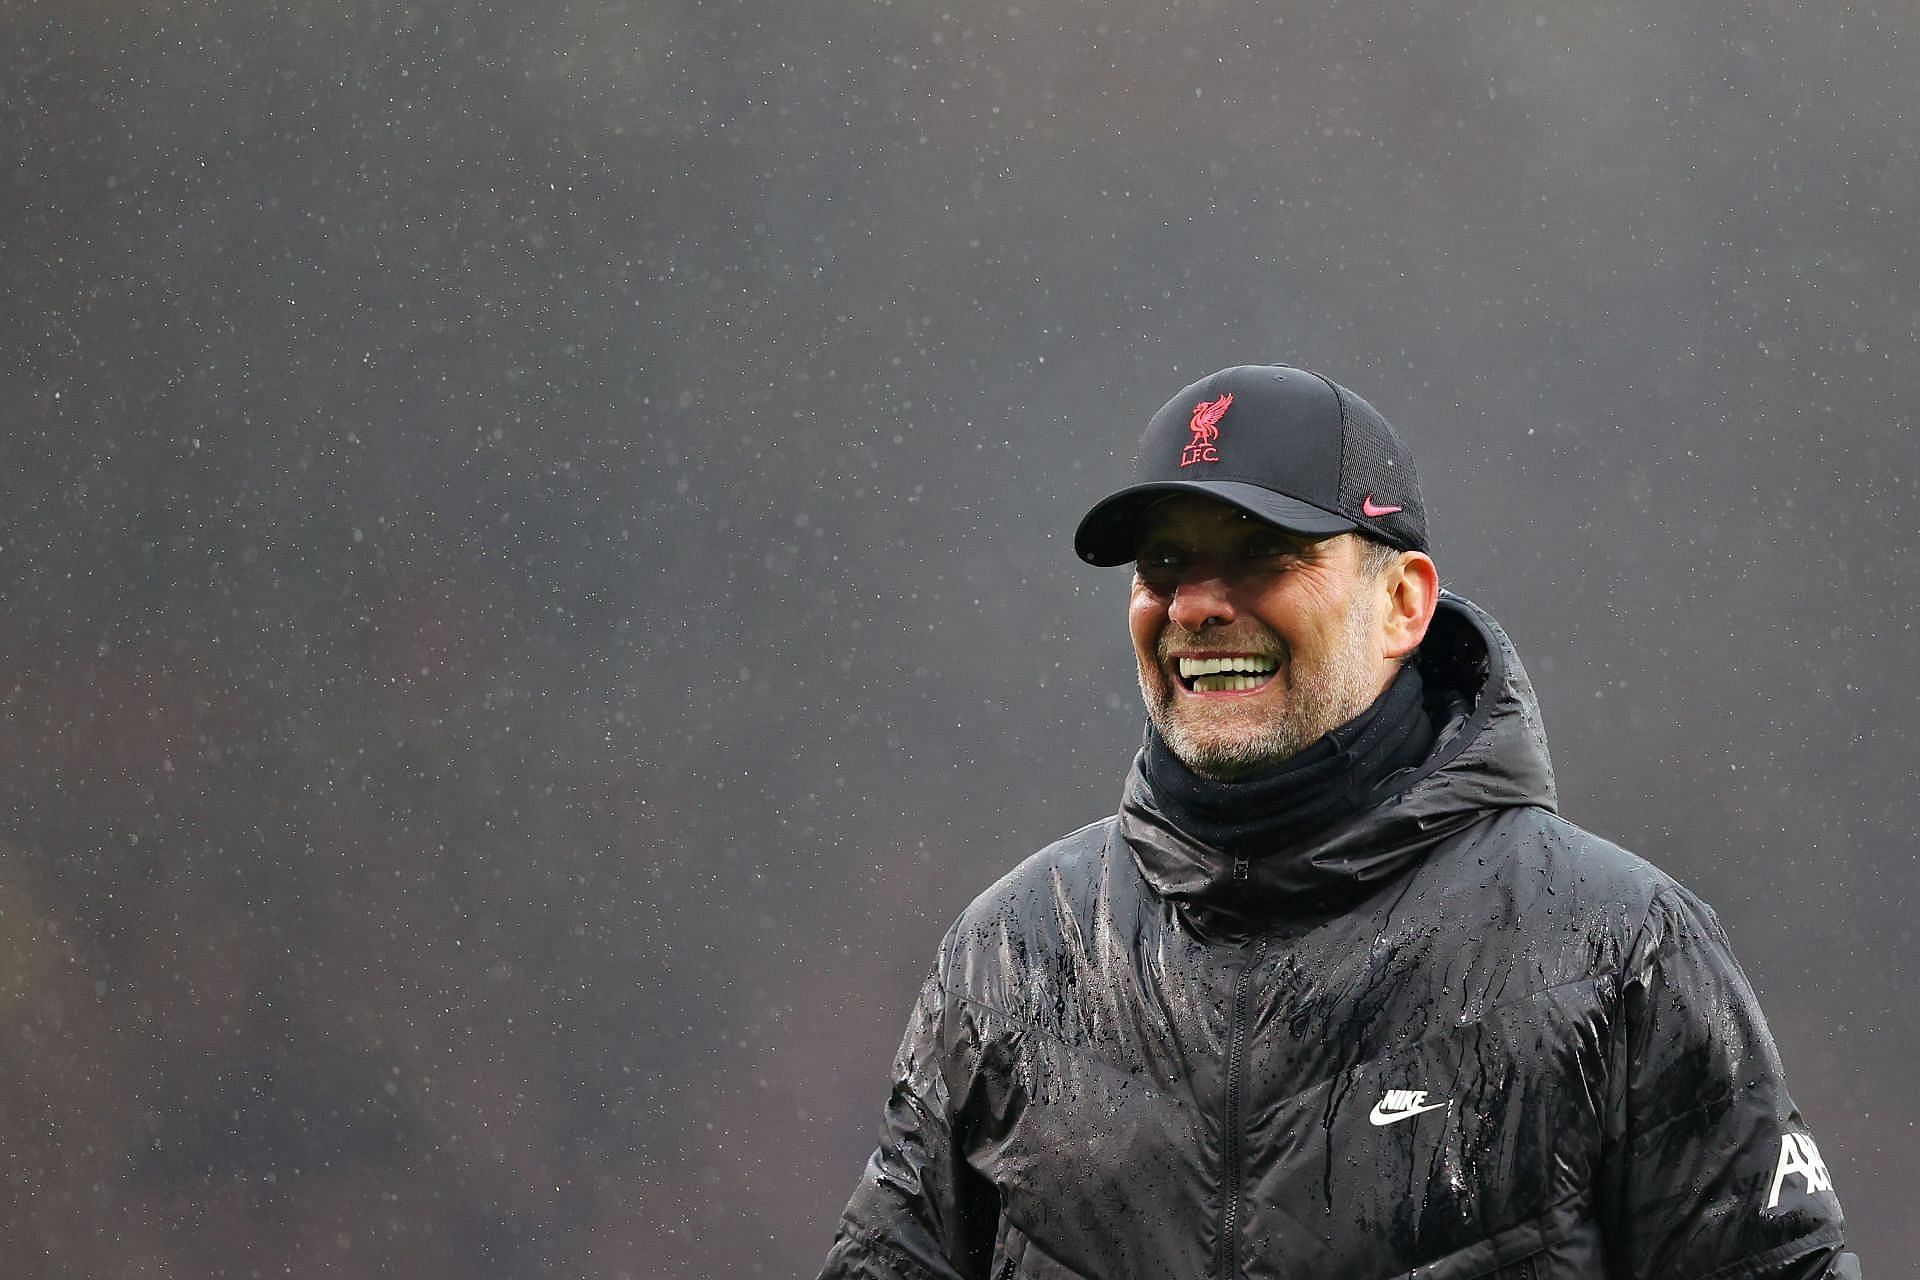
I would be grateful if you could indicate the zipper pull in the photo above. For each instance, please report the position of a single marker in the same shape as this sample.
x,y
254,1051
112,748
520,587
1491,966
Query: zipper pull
x,y
1240,869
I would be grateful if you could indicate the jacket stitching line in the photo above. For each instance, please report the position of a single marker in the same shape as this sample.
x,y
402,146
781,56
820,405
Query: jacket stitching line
x,y
881,1245
1549,1225
1034,1246
1023,1023
1803,1247
1645,1135
1597,977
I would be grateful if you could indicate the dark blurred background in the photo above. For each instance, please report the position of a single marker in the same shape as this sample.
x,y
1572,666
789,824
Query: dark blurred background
x,y
535,546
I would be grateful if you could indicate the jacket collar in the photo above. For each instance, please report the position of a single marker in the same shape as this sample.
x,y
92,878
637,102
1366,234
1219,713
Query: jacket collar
x,y
1490,753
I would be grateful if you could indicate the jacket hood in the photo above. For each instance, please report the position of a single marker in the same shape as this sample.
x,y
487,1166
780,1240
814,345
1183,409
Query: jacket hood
x,y
1490,753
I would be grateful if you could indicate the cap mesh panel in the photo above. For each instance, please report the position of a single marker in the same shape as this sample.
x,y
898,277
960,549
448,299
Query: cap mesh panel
x,y
1374,463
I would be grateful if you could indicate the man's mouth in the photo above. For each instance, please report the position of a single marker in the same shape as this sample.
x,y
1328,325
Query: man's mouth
x,y
1236,673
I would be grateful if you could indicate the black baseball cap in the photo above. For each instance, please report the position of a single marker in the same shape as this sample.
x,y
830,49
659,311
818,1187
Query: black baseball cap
x,y
1289,446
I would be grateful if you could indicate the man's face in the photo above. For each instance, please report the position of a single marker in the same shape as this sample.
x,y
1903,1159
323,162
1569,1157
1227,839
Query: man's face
x,y
1298,622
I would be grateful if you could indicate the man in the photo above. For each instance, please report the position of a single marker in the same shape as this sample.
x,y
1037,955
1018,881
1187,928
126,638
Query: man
x,y
1336,994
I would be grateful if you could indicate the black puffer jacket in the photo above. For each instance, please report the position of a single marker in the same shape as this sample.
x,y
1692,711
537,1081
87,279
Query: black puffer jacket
x,y
1454,1037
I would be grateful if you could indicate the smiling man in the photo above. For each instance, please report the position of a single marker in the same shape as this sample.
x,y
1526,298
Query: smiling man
x,y
1336,993
1253,642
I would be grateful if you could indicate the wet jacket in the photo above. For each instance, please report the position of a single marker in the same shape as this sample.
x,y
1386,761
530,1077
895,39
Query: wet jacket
x,y
1454,1036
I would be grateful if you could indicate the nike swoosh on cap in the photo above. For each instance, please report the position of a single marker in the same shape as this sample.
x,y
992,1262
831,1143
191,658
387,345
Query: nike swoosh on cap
x,y
1368,508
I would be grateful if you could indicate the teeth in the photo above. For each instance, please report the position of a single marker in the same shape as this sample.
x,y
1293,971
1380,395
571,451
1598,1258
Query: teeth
x,y
1192,668
1226,683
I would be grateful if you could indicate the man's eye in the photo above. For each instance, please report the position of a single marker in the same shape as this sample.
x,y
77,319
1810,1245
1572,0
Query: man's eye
x,y
1160,564
1161,558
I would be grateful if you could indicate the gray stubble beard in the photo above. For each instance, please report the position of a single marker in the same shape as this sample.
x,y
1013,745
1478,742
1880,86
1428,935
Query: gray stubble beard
x,y
1314,707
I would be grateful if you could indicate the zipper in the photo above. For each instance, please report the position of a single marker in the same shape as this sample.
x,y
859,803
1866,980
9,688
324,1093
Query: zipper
x,y
1227,1253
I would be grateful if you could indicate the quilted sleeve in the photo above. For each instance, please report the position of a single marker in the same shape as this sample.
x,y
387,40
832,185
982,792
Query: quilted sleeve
x,y
1711,1172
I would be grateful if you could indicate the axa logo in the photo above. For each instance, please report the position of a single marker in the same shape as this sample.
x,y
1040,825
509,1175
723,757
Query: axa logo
x,y
1399,1104
1206,430
1798,1156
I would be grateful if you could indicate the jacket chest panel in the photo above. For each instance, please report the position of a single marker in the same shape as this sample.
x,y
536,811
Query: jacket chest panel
x,y
1381,1164
1415,1145
1099,1109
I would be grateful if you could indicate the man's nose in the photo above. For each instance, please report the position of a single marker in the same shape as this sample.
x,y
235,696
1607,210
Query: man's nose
x,y
1201,601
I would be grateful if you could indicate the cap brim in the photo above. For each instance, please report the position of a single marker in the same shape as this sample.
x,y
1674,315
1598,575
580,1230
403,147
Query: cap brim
x,y
1110,533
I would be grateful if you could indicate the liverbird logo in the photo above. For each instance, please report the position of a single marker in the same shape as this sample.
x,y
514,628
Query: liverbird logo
x,y
1206,429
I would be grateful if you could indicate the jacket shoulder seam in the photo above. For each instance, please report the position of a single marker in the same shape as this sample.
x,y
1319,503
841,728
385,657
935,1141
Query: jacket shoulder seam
x,y
1660,885
987,902
1668,942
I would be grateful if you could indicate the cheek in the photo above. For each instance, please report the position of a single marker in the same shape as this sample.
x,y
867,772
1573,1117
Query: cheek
x,y
1146,618
1345,637
1313,613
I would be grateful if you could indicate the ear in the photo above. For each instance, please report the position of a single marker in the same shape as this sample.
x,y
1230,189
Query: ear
x,y
1412,587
